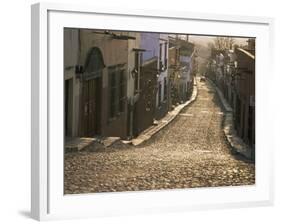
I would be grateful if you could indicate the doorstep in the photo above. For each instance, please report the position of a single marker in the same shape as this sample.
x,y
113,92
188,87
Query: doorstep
x,y
76,144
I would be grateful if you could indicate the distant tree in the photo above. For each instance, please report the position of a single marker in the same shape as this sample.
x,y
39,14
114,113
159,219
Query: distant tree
x,y
211,45
223,43
235,46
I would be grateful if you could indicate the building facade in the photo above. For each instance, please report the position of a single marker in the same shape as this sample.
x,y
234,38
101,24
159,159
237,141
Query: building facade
x,y
245,96
233,70
182,71
146,57
72,85
163,89
118,83
174,73
103,82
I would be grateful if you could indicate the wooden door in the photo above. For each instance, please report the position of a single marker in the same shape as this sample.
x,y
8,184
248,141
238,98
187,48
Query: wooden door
x,y
68,94
92,107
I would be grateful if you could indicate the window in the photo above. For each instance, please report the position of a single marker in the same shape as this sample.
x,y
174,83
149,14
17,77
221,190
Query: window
x,y
112,93
122,88
160,52
117,90
165,88
176,57
159,93
137,65
141,58
165,55
160,58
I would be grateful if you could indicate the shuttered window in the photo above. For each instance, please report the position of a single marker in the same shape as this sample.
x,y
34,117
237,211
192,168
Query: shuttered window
x,y
117,90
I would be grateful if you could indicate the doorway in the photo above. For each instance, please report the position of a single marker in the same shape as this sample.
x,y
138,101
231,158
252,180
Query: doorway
x,y
68,94
92,107
92,93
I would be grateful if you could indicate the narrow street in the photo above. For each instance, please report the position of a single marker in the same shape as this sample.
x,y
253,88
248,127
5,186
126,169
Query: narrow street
x,y
189,152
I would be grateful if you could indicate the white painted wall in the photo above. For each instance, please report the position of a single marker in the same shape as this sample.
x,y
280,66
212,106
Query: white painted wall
x,y
163,39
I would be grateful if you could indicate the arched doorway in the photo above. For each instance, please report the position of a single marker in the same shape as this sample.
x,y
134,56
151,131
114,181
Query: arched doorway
x,y
92,92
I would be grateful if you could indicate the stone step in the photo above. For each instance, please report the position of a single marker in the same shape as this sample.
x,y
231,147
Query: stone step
x,y
77,144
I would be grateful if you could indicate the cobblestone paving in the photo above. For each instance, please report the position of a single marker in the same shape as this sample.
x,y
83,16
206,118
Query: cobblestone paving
x,y
189,152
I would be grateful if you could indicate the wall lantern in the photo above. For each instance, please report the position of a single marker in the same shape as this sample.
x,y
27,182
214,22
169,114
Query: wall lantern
x,y
79,71
134,72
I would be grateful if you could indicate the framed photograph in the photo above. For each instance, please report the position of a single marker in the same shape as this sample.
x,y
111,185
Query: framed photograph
x,y
148,111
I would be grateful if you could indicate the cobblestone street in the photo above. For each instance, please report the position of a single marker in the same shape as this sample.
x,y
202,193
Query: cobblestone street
x,y
189,152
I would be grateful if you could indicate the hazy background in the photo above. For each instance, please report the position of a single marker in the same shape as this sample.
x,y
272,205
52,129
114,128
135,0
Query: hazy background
x,y
204,40
203,51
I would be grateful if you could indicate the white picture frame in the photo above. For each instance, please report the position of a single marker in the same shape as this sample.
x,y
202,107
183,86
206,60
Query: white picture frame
x,y
48,201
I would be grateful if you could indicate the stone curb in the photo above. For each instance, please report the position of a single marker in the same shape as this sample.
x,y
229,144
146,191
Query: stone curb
x,y
152,130
238,146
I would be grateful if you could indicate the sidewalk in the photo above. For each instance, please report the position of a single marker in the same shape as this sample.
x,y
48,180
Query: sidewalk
x,y
77,144
236,143
152,130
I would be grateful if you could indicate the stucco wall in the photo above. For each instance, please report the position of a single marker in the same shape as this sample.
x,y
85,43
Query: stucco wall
x,y
150,42
71,54
114,52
